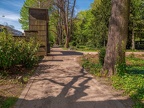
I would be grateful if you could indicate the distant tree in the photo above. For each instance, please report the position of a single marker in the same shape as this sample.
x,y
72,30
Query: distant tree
x,y
136,21
82,31
101,11
66,13
61,10
117,36
24,13
91,26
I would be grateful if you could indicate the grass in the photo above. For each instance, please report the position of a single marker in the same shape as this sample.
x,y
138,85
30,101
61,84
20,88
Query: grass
x,y
129,50
91,64
133,85
132,82
12,82
87,49
9,102
82,48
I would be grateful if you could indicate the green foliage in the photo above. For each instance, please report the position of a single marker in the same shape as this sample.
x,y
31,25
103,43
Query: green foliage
x,y
120,68
132,82
91,26
24,13
28,55
91,67
101,12
136,21
91,64
15,52
9,102
132,85
51,39
101,55
82,29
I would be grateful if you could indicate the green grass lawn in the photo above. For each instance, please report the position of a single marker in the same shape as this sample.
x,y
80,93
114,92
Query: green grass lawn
x,y
131,82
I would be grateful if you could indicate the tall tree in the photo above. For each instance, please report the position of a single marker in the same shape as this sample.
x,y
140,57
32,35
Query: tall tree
x,y
117,36
31,3
83,30
101,11
136,20
66,13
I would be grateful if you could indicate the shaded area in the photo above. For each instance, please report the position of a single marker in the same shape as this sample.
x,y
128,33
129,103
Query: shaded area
x,y
66,100
138,96
52,61
65,53
65,84
7,102
135,70
52,102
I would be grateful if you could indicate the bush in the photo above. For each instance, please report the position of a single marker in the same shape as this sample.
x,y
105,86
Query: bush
x,y
92,66
101,55
17,52
29,57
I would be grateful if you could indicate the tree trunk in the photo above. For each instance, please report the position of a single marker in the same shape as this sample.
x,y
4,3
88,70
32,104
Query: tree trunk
x,y
133,39
117,36
71,20
67,25
67,42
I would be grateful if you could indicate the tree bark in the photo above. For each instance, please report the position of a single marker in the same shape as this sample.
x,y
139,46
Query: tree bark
x,y
133,38
117,36
66,14
71,20
67,25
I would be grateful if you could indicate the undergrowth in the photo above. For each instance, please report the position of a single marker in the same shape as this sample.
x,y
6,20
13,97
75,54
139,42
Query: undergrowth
x,y
9,102
17,52
131,82
91,63
17,60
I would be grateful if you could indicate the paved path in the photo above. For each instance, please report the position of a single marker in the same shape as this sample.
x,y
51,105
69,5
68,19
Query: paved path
x,y
60,82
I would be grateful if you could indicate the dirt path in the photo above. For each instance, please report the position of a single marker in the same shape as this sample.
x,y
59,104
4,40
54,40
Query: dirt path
x,y
60,82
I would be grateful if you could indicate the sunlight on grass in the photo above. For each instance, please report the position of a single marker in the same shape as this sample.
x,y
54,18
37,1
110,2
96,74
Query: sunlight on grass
x,y
131,82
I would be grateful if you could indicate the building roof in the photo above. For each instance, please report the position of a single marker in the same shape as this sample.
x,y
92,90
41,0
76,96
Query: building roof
x,y
1,25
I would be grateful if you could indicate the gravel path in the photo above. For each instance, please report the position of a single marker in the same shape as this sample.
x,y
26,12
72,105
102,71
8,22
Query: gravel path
x,y
60,82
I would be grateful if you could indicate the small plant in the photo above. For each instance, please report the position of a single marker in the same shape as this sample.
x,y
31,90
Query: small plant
x,y
101,55
132,55
92,65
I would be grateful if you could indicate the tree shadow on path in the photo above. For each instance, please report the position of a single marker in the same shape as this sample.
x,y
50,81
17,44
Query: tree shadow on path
x,y
73,89
67,100
64,53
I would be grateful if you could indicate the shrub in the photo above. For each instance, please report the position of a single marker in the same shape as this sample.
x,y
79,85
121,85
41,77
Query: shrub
x,y
17,52
101,55
28,52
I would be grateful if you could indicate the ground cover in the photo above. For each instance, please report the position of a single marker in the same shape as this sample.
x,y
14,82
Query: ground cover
x,y
131,82
12,82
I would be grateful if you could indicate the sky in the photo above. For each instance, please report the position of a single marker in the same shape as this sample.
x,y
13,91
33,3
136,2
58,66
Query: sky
x,y
10,11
